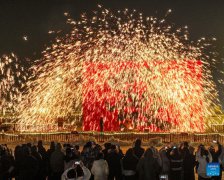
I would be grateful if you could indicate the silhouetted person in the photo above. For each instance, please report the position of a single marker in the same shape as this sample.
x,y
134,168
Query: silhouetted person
x,y
188,164
106,149
29,166
165,162
148,166
43,154
100,168
18,154
129,163
49,152
203,157
101,124
69,158
7,165
176,163
138,150
113,159
41,164
57,162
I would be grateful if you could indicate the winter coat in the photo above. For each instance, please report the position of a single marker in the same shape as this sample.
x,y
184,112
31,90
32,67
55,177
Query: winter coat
x,y
165,162
57,161
29,168
139,151
114,162
202,164
129,165
148,169
176,163
100,169
188,167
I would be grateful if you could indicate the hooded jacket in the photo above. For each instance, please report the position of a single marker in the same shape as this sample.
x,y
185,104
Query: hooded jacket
x,y
100,169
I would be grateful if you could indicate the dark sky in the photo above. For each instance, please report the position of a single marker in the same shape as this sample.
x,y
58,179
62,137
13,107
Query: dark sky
x,y
34,18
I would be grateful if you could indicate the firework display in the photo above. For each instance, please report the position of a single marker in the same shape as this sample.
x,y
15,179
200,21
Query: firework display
x,y
143,103
12,78
121,71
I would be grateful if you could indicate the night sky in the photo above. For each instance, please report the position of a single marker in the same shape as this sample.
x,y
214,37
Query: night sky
x,y
34,18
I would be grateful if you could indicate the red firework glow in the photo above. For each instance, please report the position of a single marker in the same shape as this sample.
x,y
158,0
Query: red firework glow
x,y
135,73
124,105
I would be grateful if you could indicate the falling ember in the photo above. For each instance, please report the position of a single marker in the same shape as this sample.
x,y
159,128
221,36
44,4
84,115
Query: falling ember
x,y
12,77
134,72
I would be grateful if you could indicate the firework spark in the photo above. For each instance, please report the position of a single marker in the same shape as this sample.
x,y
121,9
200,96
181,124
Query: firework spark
x,y
12,77
135,72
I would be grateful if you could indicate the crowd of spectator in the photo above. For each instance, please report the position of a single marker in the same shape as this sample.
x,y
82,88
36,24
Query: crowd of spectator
x,y
68,162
